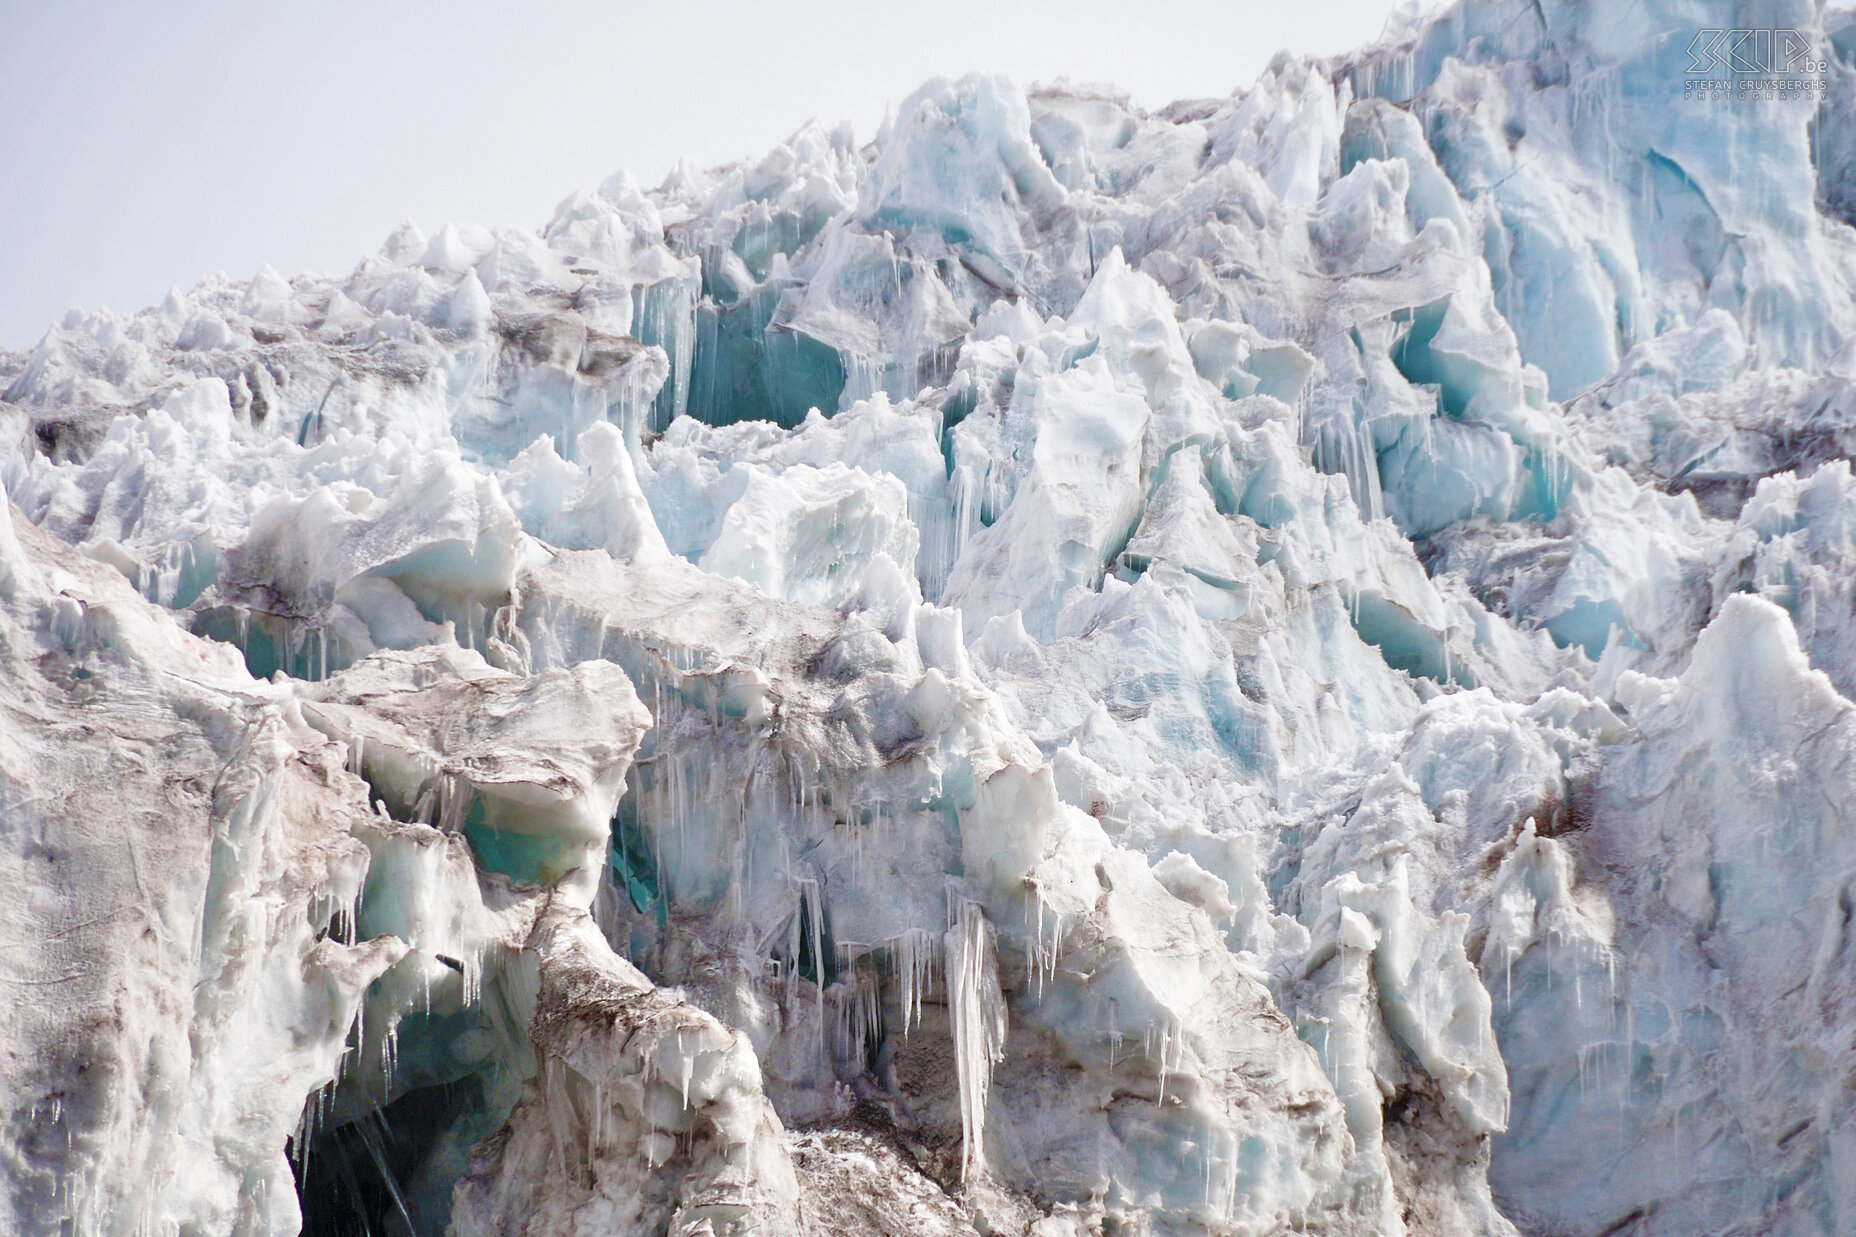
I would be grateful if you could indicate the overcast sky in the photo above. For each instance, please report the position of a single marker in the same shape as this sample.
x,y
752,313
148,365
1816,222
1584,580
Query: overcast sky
x,y
147,145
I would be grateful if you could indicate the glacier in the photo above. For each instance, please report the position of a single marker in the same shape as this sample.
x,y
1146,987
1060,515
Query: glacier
x,y
1282,664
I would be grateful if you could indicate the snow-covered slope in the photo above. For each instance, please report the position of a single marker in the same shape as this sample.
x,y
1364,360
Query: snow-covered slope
x,y
1279,665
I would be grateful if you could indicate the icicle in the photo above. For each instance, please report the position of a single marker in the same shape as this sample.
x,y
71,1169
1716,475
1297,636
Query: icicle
x,y
688,1069
815,923
977,1008
1041,960
914,952
1165,1045
597,1140
472,972
389,1054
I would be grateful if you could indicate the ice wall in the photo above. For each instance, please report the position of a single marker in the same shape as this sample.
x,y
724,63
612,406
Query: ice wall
x,y
1282,664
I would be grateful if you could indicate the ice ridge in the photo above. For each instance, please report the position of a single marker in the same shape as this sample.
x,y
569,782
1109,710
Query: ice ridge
x,y
1278,665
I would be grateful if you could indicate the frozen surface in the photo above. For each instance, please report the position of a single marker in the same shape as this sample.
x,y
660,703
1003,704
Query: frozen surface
x,y
1280,665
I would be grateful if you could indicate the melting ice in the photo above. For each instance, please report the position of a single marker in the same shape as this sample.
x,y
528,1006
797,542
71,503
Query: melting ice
x,y
1277,665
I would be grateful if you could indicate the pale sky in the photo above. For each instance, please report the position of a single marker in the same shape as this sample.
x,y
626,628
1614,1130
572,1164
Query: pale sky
x,y
143,145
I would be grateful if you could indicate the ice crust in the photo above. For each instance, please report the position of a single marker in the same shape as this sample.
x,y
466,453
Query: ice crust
x,y
1280,665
